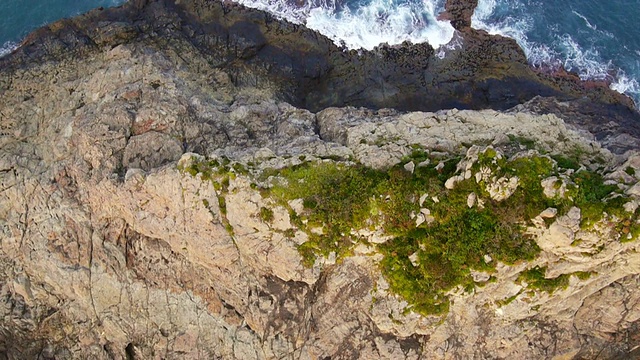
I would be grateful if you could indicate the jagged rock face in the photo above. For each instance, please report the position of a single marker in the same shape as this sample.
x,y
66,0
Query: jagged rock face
x,y
301,67
109,250
459,12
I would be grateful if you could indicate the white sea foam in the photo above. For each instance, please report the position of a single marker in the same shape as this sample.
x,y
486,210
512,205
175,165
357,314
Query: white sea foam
x,y
7,48
369,25
563,50
515,28
625,85
589,25
587,63
454,44
567,52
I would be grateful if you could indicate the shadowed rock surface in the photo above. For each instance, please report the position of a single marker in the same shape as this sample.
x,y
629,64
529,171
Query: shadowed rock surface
x,y
108,250
297,65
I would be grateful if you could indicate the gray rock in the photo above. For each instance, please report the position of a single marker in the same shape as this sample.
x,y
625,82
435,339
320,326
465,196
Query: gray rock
x,y
410,166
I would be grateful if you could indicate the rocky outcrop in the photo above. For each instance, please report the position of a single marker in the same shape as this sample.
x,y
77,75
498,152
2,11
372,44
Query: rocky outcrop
x,y
114,246
475,71
111,251
459,13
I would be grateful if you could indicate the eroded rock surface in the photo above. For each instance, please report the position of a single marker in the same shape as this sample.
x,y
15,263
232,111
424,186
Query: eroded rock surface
x,y
111,250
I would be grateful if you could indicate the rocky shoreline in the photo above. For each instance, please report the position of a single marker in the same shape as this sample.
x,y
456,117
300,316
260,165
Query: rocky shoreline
x,y
148,151
305,69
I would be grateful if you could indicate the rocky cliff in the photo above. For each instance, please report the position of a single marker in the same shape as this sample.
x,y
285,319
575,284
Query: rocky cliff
x,y
192,179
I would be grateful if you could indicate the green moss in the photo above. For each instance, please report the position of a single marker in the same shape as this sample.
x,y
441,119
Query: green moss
x,y
240,169
584,275
535,279
529,199
566,163
418,155
635,232
487,158
332,157
591,187
489,153
205,167
229,229
522,141
447,251
222,203
339,198
630,171
630,229
308,252
290,233
508,300
224,184
266,214
590,197
335,196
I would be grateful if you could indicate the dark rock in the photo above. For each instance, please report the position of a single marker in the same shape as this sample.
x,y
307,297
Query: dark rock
x,y
304,68
308,70
247,39
616,126
459,12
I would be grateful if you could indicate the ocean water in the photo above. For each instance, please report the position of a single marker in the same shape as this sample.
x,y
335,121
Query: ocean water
x,y
365,24
19,17
597,39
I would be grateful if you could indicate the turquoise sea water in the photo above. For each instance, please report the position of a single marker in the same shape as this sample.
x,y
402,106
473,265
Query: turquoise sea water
x,y
19,17
597,39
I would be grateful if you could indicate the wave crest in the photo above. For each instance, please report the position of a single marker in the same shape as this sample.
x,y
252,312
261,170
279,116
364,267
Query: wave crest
x,y
365,25
7,48
496,17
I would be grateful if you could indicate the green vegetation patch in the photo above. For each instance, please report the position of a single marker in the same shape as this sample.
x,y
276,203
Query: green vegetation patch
x,y
266,214
591,195
340,198
437,238
452,245
336,199
566,163
208,168
219,174
524,142
535,278
529,200
629,228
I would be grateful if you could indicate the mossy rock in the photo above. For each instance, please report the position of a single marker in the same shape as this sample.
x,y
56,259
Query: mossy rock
x,y
426,259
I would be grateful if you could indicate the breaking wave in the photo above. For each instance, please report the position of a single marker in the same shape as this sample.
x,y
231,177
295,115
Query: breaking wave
x,y
574,40
365,24
7,48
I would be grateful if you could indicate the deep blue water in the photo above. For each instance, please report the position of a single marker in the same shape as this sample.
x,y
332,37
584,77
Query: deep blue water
x,y
597,39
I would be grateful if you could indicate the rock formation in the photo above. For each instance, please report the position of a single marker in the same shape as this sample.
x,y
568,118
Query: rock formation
x,y
143,148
